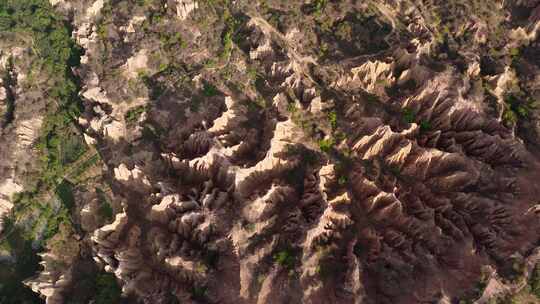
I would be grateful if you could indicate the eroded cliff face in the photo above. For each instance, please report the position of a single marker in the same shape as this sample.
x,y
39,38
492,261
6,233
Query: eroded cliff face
x,y
321,152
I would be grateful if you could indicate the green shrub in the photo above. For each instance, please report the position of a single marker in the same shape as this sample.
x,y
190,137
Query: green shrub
x,y
326,145
209,90
105,209
171,41
425,126
514,52
332,117
318,6
232,24
291,108
133,115
307,157
65,193
54,220
510,117
408,115
285,258
199,292
517,106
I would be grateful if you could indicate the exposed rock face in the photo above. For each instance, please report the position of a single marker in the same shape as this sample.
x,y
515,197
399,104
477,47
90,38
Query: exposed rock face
x,y
133,177
185,7
7,189
136,64
369,155
51,283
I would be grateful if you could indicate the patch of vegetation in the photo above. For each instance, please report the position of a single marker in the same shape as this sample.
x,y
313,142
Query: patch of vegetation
x,y
102,31
291,108
515,55
210,90
84,166
70,148
425,126
510,117
107,289
326,145
198,293
324,50
252,74
517,106
64,191
105,209
332,118
394,170
133,115
250,227
307,156
534,281
209,63
170,41
144,2
408,115
59,144
316,7
54,220
230,34
53,44
156,88
201,268
285,258
227,45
